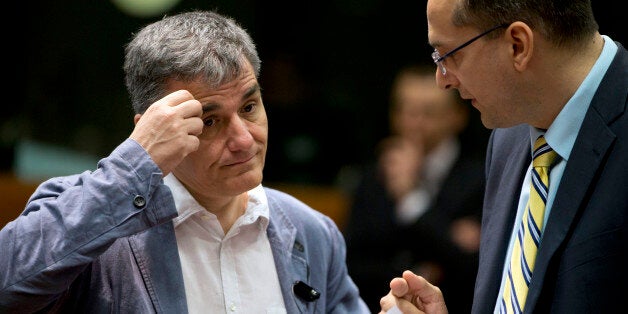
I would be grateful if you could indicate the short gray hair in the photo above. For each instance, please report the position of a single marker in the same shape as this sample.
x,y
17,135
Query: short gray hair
x,y
185,47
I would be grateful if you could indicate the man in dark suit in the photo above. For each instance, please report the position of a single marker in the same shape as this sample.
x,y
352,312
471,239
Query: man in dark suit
x,y
539,68
413,191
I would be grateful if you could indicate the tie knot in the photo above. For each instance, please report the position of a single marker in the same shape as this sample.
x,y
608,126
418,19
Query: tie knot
x,y
543,155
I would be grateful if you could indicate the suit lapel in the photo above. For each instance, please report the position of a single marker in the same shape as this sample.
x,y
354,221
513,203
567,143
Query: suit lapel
x,y
594,140
157,257
500,208
288,254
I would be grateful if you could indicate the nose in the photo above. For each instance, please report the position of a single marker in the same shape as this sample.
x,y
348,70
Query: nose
x,y
239,136
446,81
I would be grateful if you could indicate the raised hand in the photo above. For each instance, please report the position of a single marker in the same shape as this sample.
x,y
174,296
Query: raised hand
x,y
169,129
413,294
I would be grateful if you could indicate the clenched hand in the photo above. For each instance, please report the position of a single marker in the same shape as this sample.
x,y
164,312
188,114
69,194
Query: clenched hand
x,y
169,129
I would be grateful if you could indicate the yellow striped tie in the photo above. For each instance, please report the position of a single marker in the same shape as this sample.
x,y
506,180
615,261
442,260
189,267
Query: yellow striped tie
x,y
529,233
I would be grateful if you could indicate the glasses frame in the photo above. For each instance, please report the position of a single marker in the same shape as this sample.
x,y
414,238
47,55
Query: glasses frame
x,y
438,59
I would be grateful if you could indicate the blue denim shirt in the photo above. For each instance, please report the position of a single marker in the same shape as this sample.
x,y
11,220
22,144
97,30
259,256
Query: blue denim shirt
x,y
103,242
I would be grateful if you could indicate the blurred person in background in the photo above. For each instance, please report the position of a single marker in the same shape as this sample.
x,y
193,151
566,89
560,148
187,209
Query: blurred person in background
x,y
420,203
176,218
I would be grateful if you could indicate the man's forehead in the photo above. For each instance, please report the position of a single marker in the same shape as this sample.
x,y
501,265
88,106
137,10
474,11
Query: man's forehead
x,y
438,19
441,30
439,9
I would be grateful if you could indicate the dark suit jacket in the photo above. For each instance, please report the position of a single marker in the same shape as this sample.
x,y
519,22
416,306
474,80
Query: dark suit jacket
x,y
582,262
379,249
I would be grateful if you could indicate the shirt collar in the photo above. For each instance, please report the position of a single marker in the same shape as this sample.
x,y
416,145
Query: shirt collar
x,y
563,131
187,206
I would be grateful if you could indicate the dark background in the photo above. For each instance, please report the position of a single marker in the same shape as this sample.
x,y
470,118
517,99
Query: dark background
x,y
326,71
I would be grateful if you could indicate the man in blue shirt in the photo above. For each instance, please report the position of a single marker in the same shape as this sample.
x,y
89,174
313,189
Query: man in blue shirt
x,y
176,219
537,68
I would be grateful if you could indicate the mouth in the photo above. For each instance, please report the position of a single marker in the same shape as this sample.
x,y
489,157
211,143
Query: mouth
x,y
464,96
240,161
470,99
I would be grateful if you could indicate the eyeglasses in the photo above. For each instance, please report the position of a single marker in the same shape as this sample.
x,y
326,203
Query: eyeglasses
x,y
438,59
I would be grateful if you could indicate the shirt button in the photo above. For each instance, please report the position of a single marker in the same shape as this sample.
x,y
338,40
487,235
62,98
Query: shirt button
x,y
139,201
232,308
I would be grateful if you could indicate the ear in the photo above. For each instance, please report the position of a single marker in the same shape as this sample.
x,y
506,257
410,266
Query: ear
x,y
521,39
136,118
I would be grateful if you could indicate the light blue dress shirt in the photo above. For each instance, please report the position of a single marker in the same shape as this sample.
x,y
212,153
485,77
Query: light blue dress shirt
x,y
561,136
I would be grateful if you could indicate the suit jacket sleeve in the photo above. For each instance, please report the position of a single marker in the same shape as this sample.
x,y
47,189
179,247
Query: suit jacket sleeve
x,y
69,221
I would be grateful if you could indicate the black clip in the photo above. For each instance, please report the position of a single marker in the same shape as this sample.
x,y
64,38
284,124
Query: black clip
x,y
305,292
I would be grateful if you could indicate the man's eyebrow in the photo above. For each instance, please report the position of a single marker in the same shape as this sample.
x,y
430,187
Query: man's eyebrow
x,y
210,107
254,89
251,91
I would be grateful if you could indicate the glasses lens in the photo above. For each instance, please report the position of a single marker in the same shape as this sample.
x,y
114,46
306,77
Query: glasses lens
x,y
439,63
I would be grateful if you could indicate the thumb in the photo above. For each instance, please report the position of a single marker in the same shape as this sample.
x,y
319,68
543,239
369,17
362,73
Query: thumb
x,y
399,287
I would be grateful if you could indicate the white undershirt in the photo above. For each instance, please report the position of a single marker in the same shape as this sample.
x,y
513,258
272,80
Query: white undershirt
x,y
232,273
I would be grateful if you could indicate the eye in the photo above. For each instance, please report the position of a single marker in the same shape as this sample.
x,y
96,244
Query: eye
x,y
209,121
248,108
